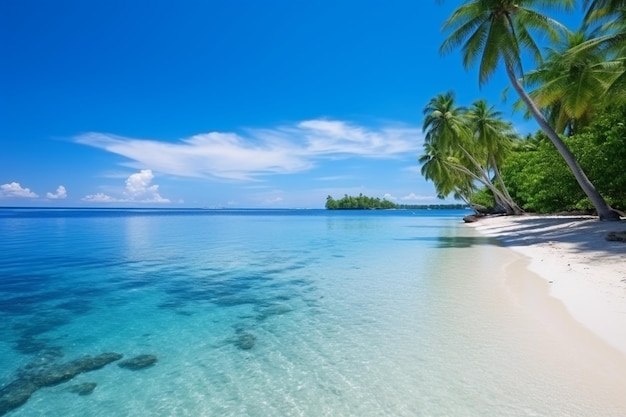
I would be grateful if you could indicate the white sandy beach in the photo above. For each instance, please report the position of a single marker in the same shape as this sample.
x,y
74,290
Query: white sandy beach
x,y
583,270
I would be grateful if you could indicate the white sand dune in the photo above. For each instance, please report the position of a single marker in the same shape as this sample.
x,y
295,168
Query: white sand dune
x,y
585,272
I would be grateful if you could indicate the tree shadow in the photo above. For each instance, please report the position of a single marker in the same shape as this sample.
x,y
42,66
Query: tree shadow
x,y
579,234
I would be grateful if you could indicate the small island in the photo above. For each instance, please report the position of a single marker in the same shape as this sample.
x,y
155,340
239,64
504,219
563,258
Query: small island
x,y
362,202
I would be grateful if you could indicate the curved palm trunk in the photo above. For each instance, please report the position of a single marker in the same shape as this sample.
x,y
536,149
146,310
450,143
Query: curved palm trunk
x,y
505,190
503,198
469,203
604,211
499,197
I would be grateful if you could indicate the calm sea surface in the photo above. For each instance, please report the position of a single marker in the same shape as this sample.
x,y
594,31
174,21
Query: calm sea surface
x,y
270,313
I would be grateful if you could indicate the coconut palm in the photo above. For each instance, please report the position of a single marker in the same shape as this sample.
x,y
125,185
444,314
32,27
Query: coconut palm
x,y
611,14
452,155
493,135
571,82
494,31
598,10
444,121
448,179
435,169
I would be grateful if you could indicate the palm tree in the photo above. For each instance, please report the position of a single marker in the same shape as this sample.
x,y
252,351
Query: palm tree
x,y
571,82
611,14
437,168
497,30
444,121
598,10
493,135
452,157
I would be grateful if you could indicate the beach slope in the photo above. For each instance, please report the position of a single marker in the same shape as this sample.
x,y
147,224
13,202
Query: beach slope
x,y
585,271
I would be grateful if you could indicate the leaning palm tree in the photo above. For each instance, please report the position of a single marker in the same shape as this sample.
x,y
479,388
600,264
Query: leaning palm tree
x,y
451,149
570,84
448,179
495,136
435,169
494,31
611,16
599,10
444,121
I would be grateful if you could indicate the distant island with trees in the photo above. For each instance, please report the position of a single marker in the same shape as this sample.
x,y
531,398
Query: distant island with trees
x,y
363,202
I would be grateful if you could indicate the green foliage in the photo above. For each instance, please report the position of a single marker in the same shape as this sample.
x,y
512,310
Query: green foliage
x,y
363,203
358,203
464,147
484,198
571,82
494,32
538,178
601,149
499,31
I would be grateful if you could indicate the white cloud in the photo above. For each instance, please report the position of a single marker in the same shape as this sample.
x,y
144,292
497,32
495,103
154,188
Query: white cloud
x,y
411,197
138,190
415,197
15,190
100,198
330,137
281,150
59,194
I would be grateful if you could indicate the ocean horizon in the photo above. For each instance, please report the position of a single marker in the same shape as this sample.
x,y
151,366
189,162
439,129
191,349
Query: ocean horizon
x,y
280,312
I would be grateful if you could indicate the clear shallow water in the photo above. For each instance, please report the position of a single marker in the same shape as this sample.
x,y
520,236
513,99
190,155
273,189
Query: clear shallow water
x,y
275,313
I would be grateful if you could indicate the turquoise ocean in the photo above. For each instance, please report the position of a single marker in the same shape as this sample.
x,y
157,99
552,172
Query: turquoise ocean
x,y
271,313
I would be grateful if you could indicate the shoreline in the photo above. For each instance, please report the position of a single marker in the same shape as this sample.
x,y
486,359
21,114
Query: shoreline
x,y
580,267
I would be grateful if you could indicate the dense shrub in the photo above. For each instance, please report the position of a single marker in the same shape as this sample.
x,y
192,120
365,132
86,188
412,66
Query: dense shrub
x,y
540,181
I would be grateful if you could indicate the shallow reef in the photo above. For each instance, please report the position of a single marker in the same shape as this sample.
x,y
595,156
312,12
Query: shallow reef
x,y
85,388
46,372
35,376
138,362
245,340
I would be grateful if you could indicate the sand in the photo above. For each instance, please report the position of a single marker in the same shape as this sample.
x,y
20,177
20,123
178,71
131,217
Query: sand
x,y
583,270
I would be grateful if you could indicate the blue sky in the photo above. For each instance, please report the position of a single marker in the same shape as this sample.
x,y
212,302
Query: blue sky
x,y
221,103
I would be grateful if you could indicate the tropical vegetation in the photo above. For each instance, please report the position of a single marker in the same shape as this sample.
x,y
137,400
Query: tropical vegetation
x,y
574,93
539,180
464,147
359,202
362,202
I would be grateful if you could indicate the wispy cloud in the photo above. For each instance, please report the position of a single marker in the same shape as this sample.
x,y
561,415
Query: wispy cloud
x,y
59,194
15,190
410,197
100,198
330,137
258,152
415,197
139,189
